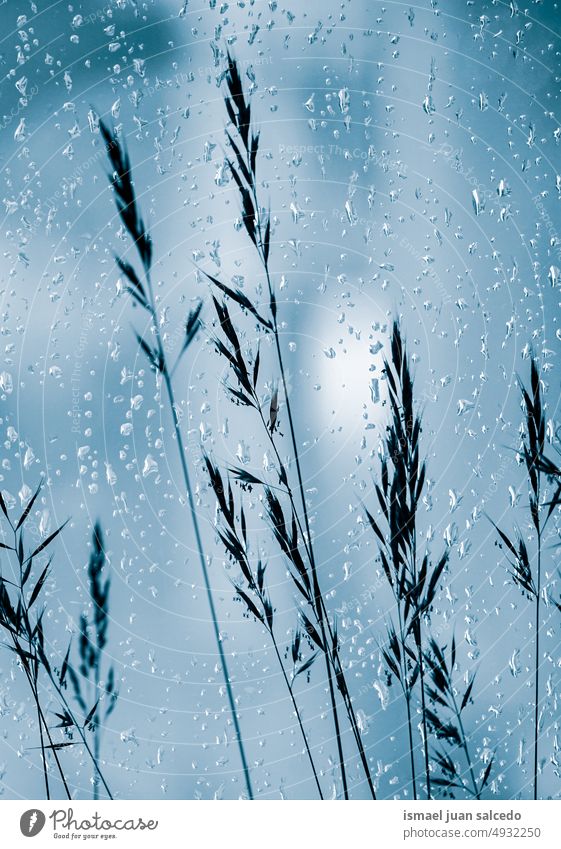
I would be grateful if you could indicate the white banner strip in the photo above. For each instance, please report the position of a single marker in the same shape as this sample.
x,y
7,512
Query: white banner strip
x,y
271,824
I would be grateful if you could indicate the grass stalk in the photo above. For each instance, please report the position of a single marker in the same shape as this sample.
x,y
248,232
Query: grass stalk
x,y
411,746
255,598
407,683
42,723
78,727
43,754
530,580
476,790
419,625
200,551
91,653
537,669
413,580
258,227
25,627
445,718
97,743
143,295
424,724
298,715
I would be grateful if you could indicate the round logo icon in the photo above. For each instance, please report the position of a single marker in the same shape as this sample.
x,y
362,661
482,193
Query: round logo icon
x,y
32,822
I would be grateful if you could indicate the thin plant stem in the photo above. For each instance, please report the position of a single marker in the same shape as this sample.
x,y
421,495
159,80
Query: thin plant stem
x,y
414,585
537,668
187,480
318,601
32,679
97,741
43,724
407,694
348,704
121,180
537,639
421,669
522,573
258,229
259,242
38,708
443,693
19,625
424,720
298,715
323,617
534,462
43,757
319,607
335,715
476,789
52,745
80,731
335,654
260,607
411,746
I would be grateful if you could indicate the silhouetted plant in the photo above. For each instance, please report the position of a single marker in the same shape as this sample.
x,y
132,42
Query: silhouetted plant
x,y
102,694
526,569
413,578
296,543
254,595
141,291
23,622
445,697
